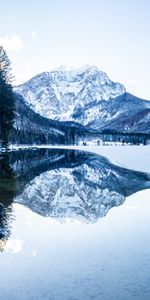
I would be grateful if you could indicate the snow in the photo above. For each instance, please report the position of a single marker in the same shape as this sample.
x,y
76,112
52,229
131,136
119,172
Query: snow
x,y
131,157
59,93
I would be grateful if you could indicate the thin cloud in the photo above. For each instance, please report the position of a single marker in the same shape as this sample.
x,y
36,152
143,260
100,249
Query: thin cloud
x,y
34,35
34,253
13,42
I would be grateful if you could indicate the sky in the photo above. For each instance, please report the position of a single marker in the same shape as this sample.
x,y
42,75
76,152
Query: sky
x,y
114,35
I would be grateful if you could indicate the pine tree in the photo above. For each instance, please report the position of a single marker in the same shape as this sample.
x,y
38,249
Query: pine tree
x,y
7,101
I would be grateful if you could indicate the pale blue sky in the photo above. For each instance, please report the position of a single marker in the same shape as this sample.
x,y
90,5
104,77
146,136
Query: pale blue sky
x,y
114,35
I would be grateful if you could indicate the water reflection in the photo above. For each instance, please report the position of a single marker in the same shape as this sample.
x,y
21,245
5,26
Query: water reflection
x,y
63,184
7,194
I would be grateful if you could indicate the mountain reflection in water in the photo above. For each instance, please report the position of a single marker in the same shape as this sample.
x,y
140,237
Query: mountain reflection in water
x,y
63,184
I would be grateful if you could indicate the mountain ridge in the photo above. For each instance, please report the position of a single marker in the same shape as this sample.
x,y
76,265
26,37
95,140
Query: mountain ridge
x,y
86,96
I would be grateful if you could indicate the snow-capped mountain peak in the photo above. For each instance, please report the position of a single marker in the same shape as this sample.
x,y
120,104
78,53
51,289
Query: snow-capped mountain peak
x,y
59,94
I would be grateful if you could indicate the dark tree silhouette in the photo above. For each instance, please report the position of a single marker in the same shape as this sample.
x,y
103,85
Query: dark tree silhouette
x,y
7,100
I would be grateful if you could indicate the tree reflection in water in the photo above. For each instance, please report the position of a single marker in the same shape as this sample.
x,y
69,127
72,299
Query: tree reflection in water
x,y
7,194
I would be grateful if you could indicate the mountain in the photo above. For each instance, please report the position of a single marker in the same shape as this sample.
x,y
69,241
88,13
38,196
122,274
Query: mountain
x,y
58,93
31,128
86,96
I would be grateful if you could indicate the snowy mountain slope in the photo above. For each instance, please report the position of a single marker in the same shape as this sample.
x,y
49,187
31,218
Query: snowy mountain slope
x,y
30,127
125,113
56,94
86,96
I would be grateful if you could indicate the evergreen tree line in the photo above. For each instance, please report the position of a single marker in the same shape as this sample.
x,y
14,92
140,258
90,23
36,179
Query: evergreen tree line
x,y
7,101
108,135
31,128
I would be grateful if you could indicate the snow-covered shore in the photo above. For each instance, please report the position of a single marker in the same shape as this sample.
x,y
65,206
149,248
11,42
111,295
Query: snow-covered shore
x,y
131,157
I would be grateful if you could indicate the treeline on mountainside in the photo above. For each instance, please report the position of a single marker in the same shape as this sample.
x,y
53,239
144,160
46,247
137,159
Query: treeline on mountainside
x,y
31,128
21,125
134,138
7,101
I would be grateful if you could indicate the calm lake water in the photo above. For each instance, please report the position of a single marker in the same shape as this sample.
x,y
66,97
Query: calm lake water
x,y
72,226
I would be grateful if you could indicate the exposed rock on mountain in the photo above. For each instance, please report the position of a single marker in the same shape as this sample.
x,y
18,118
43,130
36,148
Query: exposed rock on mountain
x,y
86,96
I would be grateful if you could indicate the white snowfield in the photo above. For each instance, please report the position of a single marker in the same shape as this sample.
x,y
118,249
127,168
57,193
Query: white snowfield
x,y
131,157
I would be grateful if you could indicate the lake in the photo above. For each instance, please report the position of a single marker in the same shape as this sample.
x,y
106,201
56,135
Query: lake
x,y
74,225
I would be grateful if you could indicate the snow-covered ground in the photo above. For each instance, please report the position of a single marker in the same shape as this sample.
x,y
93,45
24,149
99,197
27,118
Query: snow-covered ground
x,y
131,157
